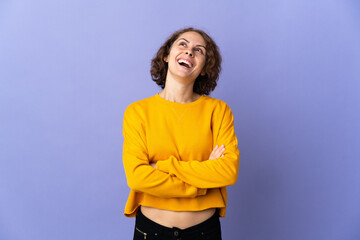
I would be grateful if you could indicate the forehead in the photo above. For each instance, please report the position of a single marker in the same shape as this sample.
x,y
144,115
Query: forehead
x,y
193,37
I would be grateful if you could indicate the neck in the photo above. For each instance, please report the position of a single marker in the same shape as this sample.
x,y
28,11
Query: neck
x,y
179,96
179,90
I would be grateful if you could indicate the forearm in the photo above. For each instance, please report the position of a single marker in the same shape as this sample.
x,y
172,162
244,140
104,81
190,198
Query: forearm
x,y
144,178
216,173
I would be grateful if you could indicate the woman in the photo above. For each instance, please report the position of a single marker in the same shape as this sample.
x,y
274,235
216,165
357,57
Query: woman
x,y
180,148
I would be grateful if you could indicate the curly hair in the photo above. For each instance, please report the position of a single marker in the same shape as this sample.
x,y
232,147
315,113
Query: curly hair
x,y
204,84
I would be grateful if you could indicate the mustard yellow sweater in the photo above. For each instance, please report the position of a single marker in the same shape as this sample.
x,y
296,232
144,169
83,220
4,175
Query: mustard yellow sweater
x,y
179,138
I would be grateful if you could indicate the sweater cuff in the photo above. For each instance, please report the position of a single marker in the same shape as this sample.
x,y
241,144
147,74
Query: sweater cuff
x,y
202,191
164,165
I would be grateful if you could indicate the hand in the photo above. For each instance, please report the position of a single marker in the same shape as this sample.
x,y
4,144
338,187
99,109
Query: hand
x,y
217,152
153,165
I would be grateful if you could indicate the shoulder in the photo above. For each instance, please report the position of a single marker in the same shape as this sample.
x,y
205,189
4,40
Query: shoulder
x,y
141,104
138,107
216,104
221,112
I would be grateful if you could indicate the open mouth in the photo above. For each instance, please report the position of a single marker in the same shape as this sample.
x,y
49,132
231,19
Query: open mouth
x,y
184,63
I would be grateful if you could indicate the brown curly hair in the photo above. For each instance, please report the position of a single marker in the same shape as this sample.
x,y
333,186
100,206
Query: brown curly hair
x,y
204,84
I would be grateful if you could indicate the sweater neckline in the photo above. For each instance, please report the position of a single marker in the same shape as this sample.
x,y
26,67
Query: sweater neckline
x,y
200,99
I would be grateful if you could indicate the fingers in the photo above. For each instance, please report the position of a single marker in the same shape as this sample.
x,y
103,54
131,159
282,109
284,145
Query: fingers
x,y
153,165
217,152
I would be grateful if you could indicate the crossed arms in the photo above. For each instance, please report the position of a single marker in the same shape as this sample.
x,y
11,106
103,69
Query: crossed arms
x,y
174,178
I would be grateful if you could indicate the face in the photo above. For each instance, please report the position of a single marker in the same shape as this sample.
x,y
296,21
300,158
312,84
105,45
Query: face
x,y
187,56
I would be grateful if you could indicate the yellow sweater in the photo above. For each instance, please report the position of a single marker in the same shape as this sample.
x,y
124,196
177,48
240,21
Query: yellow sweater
x,y
179,137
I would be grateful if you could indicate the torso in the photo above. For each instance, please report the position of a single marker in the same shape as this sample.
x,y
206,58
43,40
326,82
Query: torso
x,y
180,220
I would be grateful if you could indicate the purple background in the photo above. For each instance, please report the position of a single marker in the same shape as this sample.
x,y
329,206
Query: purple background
x,y
291,74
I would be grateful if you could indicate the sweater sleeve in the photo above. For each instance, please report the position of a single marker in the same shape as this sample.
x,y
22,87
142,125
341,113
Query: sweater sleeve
x,y
142,177
216,173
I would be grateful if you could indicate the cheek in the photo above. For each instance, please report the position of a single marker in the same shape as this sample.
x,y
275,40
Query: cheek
x,y
172,55
203,62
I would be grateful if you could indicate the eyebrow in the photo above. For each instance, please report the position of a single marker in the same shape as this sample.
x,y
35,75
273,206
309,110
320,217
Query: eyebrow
x,y
189,42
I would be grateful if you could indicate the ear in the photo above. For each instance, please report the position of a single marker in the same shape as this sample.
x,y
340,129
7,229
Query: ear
x,y
166,59
202,72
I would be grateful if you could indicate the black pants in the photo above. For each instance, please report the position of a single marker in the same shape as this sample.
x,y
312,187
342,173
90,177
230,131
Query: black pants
x,y
147,229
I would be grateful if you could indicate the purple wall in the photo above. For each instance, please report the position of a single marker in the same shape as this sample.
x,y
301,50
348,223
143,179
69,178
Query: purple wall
x,y
291,75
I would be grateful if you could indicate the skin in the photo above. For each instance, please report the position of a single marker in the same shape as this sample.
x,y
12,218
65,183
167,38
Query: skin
x,y
190,46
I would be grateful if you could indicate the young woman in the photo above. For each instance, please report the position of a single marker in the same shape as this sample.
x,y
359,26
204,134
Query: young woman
x,y
180,149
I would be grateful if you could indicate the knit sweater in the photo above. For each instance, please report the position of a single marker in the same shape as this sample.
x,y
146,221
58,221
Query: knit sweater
x,y
179,138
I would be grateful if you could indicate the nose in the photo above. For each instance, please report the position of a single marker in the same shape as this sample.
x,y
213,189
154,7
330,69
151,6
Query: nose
x,y
189,53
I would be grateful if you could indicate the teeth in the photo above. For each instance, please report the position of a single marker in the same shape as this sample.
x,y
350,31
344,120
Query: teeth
x,y
186,62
